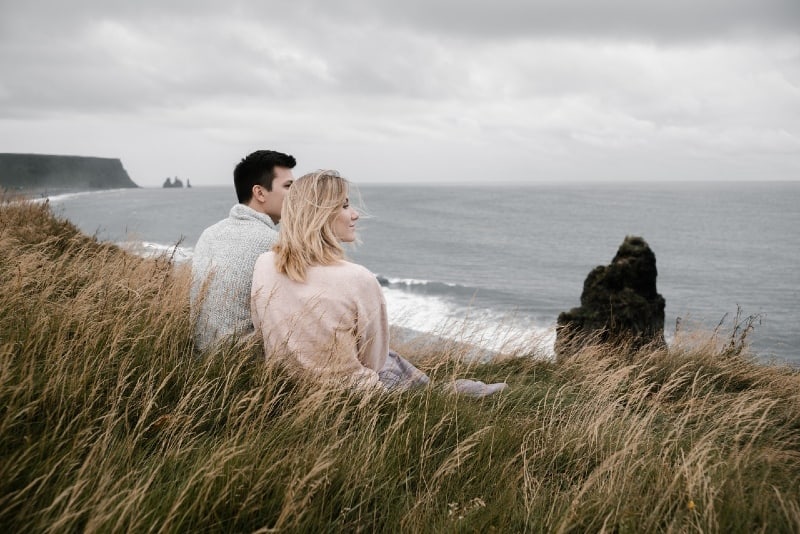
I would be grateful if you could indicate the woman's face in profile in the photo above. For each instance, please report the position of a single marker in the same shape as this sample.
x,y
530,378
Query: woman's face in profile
x,y
344,226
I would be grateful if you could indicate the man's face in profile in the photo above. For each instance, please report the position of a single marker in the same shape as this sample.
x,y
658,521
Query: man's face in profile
x,y
274,199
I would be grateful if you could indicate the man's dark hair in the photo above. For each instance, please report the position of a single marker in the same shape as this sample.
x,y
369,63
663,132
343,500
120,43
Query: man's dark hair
x,y
258,169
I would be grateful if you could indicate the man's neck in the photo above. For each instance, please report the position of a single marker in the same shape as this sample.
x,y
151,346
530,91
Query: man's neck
x,y
255,205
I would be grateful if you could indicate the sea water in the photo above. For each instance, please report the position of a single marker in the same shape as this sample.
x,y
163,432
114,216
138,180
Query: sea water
x,y
496,264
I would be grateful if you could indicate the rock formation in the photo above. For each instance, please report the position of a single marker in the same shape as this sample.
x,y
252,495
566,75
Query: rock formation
x,y
619,303
176,182
61,173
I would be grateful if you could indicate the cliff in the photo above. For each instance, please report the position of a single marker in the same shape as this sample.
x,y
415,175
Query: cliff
x,y
68,173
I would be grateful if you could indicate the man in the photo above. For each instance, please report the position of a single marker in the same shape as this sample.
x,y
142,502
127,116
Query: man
x,y
222,266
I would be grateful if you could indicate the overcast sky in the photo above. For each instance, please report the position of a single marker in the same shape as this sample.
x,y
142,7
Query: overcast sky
x,y
410,91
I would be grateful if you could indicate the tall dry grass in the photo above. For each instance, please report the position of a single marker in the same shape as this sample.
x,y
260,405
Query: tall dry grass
x,y
110,422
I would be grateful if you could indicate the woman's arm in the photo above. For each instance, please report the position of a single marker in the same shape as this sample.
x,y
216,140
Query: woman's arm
x,y
372,324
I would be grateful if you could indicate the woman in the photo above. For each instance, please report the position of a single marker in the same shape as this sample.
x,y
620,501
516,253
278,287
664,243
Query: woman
x,y
318,312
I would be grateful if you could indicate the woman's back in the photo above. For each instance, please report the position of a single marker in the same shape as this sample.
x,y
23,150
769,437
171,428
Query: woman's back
x,y
333,324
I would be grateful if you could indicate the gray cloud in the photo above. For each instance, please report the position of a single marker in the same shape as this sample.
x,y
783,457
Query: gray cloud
x,y
657,20
573,89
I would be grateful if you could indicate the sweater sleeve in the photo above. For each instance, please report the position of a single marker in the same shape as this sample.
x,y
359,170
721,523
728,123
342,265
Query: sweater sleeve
x,y
372,325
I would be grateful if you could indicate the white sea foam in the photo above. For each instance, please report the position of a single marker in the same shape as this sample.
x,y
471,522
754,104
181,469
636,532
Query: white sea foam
x,y
54,199
413,282
497,332
152,250
64,196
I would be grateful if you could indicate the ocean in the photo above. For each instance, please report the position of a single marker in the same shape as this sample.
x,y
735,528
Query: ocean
x,y
495,265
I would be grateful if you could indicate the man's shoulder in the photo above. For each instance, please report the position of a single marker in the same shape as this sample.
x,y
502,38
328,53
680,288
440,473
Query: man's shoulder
x,y
217,227
237,227
205,243
212,230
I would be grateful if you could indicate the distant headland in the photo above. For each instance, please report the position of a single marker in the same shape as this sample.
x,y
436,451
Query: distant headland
x,y
44,173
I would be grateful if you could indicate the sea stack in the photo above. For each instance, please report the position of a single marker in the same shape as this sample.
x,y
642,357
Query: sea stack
x,y
619,303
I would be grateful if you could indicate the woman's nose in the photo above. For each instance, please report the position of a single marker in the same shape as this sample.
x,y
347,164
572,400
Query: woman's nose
x,y
354,216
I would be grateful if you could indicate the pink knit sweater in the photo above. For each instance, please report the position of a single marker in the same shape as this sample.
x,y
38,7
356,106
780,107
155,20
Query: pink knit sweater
x,y
333,325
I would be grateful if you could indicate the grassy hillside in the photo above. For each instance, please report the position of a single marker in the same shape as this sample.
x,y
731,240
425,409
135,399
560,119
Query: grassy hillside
x,y
42,172
110,422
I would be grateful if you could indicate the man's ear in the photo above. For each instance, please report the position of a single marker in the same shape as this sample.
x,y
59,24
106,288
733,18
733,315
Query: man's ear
x,y
258,193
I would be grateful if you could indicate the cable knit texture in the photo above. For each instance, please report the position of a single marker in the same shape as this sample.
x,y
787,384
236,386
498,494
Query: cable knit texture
x,y
334,325
222,272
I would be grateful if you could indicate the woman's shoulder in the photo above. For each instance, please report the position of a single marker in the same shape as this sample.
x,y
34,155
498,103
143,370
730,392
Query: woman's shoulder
x,y
357,269
350,272
265,260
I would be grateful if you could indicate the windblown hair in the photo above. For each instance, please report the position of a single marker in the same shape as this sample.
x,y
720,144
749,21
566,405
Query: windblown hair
x,y
306,237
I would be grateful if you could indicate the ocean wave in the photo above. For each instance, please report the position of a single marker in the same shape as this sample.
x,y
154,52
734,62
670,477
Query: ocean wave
x,y
433,287
494,330
66,196
409,282
55,198
147,249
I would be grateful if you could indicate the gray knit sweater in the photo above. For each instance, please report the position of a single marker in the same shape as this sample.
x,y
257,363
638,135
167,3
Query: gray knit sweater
x,y
222,273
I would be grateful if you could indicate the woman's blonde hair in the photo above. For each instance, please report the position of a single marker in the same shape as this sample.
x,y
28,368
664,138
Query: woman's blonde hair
x,y
306,237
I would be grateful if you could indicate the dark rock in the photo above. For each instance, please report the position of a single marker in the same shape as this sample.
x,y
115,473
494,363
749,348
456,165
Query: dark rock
x,y
170,182
619,303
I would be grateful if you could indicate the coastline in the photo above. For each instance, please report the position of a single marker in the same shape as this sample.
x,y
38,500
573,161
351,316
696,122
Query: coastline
x,y
426,297
41,193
